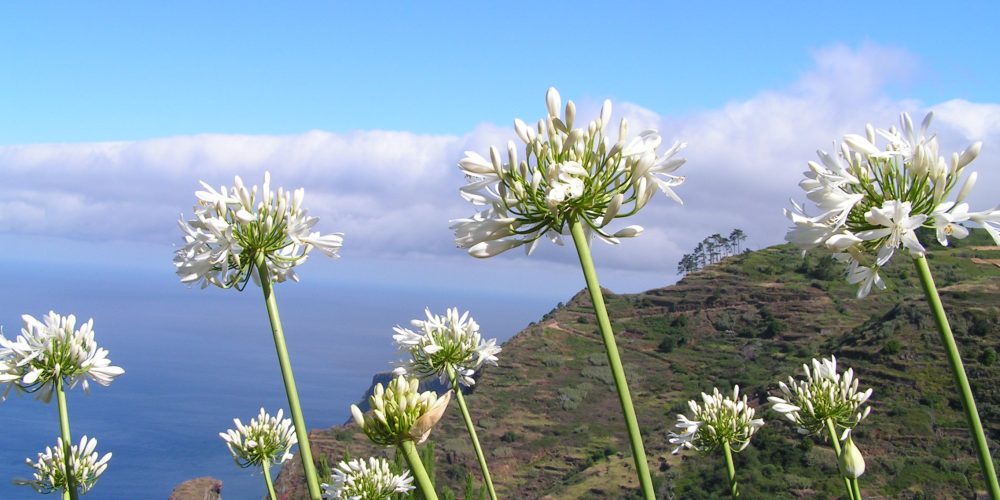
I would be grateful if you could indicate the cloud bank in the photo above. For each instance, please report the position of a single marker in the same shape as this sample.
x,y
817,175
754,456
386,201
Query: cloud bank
x,y
393,192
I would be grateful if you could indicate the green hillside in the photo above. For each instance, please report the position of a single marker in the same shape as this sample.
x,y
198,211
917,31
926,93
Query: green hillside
x,y
549,420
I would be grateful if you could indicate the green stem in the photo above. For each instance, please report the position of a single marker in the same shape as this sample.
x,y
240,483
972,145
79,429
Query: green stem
x,y
965,391
835,440
472,433
734,489
267,480
417,469
305,451
614,359
70,492
857,489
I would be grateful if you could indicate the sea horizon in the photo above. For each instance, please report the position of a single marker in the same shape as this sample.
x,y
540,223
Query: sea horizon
x,y
196,359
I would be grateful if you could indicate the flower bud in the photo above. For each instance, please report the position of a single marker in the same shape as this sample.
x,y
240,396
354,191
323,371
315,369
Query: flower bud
x,y
860,144
970,154
629,232
522,130
495,158
553,101
852,464
969,182
605,113
570,114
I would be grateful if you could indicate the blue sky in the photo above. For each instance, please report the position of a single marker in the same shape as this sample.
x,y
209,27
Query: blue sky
x,y
100,71
112,111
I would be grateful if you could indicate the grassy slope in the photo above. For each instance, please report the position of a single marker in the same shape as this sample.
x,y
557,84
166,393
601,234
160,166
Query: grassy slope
x,y
549,419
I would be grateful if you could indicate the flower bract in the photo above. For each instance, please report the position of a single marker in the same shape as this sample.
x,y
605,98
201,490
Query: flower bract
x,y
443,343
852,463
265,439
823,395
566,174
400,412
233,226
51,350
370,479
718,419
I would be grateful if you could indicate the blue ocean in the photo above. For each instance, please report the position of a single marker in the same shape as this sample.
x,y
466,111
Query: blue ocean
x,y
195,359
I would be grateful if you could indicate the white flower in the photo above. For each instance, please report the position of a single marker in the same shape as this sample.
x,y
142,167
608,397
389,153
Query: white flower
x,y
898,229
54,350
443,343
809,232
50,469
233,226
870,201
265,440
366,480
400,412
989,220
568,174
717,420
947,218
824,395
866,276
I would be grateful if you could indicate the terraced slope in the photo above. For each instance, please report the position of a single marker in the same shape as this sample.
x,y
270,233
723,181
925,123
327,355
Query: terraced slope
x,y
549,419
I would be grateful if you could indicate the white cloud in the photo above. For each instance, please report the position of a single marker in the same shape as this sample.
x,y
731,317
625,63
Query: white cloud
x,y
393,192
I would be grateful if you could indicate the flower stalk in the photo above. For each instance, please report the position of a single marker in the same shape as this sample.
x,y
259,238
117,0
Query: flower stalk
x,y
301,432
850,486
70,491
614,359
958,370
487,479
409,449
734,490
266,465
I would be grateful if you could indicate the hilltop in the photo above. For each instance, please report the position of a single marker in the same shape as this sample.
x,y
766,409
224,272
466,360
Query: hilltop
x,y
550,423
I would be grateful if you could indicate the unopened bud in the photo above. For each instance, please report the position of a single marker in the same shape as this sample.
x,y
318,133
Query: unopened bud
x,y
570,114
852,464
553,101
969,182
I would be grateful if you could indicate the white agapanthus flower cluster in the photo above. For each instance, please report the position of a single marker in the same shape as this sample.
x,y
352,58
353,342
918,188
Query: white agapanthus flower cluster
x,y
370,479
53,350
445,343
719,419
265,439
234,226
400,412
870,201
567,174
50,468
824,395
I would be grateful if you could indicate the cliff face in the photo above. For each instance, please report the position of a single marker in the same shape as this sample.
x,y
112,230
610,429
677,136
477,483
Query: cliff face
x,y
549,420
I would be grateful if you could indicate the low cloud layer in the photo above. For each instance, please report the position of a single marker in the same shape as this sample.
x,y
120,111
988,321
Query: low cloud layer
x,y
392,193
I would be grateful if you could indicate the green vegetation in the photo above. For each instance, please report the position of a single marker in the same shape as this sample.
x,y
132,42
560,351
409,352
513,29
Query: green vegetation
x,y
549,420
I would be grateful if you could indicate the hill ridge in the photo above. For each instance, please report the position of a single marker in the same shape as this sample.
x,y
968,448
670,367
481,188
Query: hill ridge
x,y
549,420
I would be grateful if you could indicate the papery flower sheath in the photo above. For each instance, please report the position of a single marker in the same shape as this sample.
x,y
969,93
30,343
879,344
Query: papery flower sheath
x,y
53,349
443,343
232,226
566,174
50,468
717,420
869,202
370,479
265,439
824,394
400,412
